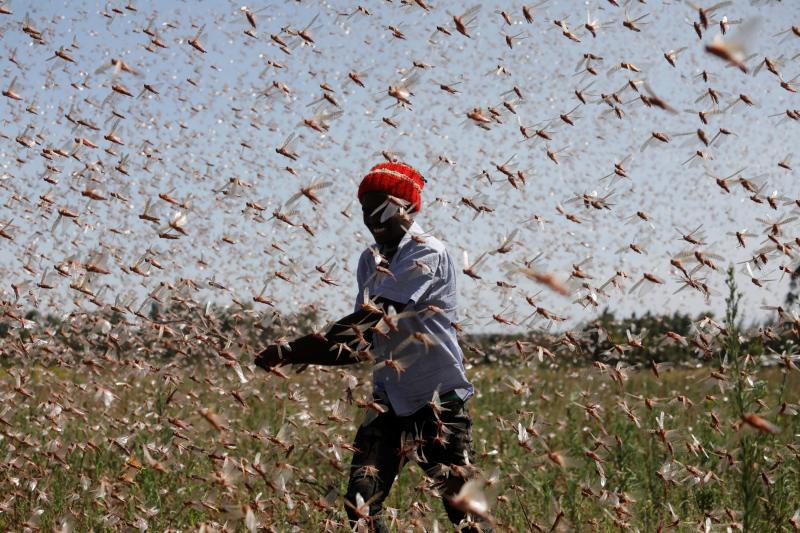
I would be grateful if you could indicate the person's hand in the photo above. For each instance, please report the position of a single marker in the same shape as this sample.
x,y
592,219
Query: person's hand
x,y
269,358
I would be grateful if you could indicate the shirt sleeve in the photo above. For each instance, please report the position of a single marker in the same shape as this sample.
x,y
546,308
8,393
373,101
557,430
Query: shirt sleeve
x,y
412,276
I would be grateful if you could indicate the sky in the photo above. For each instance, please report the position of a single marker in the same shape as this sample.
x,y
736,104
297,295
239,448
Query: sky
x,y
218,116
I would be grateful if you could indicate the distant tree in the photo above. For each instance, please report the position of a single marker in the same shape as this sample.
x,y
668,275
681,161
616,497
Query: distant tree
x,y
155,311
794,288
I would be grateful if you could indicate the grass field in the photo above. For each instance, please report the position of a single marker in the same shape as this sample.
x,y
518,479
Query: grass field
x,y
116,445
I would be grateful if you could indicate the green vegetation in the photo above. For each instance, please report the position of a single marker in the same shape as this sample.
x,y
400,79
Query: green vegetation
x,y
643,451
647,423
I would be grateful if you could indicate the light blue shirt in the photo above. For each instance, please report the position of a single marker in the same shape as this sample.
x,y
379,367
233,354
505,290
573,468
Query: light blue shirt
x,y
423,275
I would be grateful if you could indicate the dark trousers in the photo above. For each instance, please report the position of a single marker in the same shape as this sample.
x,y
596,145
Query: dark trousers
x,y
440,444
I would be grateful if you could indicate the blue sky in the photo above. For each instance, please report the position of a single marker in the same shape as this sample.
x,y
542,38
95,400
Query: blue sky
x,y
228,124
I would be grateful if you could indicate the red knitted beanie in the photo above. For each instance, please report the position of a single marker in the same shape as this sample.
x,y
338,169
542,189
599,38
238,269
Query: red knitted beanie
x,y
396,179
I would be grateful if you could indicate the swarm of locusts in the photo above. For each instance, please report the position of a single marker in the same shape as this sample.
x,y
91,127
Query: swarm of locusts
x,y
177,188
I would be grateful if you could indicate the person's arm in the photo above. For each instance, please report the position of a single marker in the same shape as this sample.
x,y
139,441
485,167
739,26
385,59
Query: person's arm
x,y
337,346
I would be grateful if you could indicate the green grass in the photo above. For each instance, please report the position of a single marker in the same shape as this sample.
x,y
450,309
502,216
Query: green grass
x,y
201,486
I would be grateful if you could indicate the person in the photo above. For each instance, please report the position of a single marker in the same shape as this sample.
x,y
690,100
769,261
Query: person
x,y
404,322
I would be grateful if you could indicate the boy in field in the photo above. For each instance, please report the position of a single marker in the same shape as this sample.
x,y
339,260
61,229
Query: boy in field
x,y
403,322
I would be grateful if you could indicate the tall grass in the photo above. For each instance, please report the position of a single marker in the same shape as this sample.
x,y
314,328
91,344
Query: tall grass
x,y
609,447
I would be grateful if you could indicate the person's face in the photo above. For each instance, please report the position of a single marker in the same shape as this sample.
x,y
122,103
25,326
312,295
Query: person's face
x,y
392,229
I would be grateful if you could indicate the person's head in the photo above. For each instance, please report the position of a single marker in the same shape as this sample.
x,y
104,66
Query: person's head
x,y
390,196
